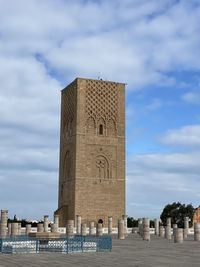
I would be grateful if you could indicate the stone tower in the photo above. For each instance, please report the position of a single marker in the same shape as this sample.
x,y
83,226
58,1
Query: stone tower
x,y
92,151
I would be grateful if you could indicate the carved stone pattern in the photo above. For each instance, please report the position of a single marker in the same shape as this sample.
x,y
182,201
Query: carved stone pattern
x,y
69,101
102,167
101,101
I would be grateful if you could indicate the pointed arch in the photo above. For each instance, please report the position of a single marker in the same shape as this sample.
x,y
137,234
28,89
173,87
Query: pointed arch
x,y
102,167
111,127
91,125
101,127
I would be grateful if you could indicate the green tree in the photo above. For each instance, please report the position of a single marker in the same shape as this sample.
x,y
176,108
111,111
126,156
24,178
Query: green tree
x,y
177,211
131,222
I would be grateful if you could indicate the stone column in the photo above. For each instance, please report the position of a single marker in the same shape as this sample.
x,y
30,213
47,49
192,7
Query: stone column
x,y
9,228
174,228
56,222
161,231
110,225
84,229
54,228
99,229
156,226
169,222
124,217
19,228
196,231
40,227
168,234
146,230
28,228
91,228
3,224
168,229
140,226
178,237
121,234
186,227
46,223
14,228
78,224
185,233
70,227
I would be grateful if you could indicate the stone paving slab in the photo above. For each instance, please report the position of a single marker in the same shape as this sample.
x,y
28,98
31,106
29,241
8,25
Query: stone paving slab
x,y
133,252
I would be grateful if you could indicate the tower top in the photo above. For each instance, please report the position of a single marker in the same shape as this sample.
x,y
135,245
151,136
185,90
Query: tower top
x,y
95,80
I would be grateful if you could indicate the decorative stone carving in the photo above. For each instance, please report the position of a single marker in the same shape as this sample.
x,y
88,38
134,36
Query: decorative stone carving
x,y
102,168
101,108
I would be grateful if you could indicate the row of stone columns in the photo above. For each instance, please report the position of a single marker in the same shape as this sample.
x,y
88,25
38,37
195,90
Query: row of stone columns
x,y
44,227
82,228
14,228
91,225
179,234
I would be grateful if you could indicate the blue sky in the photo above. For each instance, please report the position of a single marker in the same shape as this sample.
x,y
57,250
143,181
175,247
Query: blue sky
x,y
153,46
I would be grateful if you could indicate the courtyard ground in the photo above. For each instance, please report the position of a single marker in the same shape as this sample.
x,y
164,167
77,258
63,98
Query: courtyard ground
x,y
132,251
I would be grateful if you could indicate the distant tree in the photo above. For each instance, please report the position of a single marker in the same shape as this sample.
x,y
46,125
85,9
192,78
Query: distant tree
x,y
131,222
177,211
34,224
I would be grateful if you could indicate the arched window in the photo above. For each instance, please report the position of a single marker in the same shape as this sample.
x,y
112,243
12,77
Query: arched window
x,y
91,126
101,129
111,127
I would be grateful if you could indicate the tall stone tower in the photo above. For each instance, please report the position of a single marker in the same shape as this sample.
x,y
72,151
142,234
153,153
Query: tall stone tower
x,y
92,151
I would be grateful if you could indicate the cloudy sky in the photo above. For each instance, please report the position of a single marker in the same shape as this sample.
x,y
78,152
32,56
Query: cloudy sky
x,y
153,46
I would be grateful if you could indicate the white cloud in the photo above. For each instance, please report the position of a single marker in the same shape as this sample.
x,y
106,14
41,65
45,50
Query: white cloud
x,y
154,105
132,41
192,97
187,136
155,180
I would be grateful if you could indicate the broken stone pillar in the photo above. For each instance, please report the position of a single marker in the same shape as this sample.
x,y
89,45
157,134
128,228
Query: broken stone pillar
x,y
156,226
146,230
140,226
178,237
185,233
99,229
161,231
125,217
121,233
3,224
70,227
40,227
19,228
28,228
14,228
56,222
174,228
110,225
78,224
9,228
91,228
168,234
54,228
46,223
196,231
84,229
169,222
186,227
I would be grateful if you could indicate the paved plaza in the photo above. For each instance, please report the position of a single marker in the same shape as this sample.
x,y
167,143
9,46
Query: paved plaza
x,y
130,252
